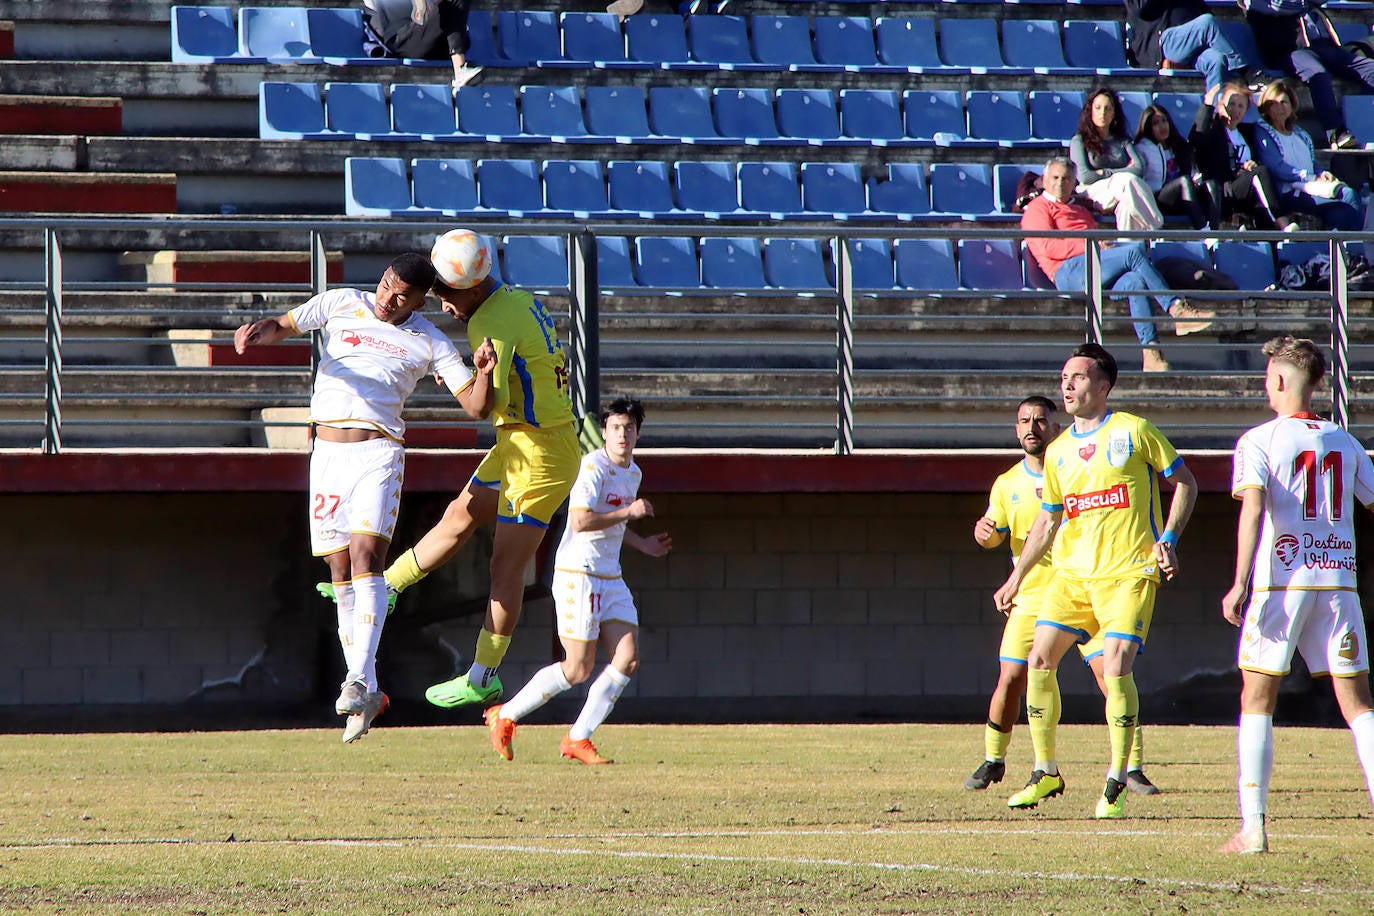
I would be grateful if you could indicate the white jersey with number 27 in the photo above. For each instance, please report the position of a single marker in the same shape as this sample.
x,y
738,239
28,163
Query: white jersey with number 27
x,y
1311,472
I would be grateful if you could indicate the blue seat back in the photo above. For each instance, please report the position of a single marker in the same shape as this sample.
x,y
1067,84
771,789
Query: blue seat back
x,y
808,113
375,186
845,40
782,40
718,40
528,35
1133,105
681,111
744,113
732,262
482,49
1181,106
1005,178
929,112
1054,114
1032,43
288,110
871,113
356,108
706,187
925,264
998,116
832,187
970,43
536,262
990,264
906,42
488,110
769,187
203,33
1190,251
336,33
794,264
574,184
961,188
422,108
1359,116
640,186
1095,44
614,269
510,184
667,263
1250,264
617,111
870,262
905,191
552,111
593,37
443,184
656,38
275,33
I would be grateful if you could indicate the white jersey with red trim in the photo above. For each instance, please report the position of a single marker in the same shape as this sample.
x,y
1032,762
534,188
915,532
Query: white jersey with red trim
x,y
602,486
1311,472
369,367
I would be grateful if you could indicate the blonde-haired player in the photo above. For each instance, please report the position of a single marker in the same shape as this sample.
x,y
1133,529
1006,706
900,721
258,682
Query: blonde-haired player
x,y
593,605
376,349
1297,478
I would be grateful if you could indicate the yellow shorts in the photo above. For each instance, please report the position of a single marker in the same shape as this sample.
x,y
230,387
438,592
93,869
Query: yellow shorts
x,y
1097,609
1019,632
532,470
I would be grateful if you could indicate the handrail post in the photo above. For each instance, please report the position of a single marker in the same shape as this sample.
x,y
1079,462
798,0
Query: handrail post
x,y
1092,281
584,325
52,340
844,349
1340,335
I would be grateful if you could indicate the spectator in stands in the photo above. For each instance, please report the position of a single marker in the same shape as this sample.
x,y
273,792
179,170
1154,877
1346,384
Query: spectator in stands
x,y
1288,153
1124,266
1296,37
421,29
1168,166
1226,154
1174,34
1107,165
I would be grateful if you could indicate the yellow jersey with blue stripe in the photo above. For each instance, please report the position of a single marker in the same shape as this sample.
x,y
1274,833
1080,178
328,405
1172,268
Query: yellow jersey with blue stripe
x,y
1106,484
1013,505
531,377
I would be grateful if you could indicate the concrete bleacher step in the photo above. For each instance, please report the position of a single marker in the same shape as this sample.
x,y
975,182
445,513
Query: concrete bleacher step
x,y
37,114
87,192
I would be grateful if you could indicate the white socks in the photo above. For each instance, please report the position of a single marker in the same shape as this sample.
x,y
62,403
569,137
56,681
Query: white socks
x,y
1363,730
343,605
369,613
1255,754
605,690
547,683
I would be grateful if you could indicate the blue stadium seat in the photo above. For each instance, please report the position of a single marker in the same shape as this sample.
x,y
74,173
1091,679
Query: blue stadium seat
x,y
833,188
490,112
722,42
576,185
511,185
667,263
874,115
904,193
870,263
794,264
683,112
614,269
961,188
660,41
1054,114
732,263
1034,275
1250,264
1298,252
771,188
1181,106
1359,117
448,186
290,111
1352,31
1000,116
358,109
376,187
745,114
482,51
971,43
274,34
1098,45
596,38
203,34
641,188
925,264
810,115
782,41
708,188
1005,178
935,115
336,36
423,109
619,113
990,264
910,43
538,263
530,36
1192,251
846,41
1034,44
1133,105
552,111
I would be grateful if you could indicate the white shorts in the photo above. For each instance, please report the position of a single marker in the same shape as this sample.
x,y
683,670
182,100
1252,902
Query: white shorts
x,y
1327,627
355,488
583,602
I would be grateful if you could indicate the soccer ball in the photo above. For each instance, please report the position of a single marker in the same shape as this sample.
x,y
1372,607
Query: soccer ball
x,y
461,258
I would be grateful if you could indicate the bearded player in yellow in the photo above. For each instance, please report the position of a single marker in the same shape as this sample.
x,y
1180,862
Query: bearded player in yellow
x,y
1101,479
525,477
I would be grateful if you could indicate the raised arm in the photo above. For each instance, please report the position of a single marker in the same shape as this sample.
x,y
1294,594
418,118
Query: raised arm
x,y
266,331
478,399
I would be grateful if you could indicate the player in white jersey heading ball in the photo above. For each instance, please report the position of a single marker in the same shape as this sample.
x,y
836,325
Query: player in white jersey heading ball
x,y
591,601
376,349
1297,478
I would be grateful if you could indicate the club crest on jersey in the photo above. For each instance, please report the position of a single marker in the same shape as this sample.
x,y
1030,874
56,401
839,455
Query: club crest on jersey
x,y
1087,451
1117,497
613,499
1119,448
1286,549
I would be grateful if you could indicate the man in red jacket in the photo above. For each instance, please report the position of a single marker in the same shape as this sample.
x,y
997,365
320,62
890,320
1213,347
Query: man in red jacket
x,y
1125,266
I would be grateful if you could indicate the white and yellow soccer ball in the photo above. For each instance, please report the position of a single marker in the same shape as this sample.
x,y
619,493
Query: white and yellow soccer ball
x,y
461,258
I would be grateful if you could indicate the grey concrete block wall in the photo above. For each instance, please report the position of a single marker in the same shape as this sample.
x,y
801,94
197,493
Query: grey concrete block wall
x,y
790,605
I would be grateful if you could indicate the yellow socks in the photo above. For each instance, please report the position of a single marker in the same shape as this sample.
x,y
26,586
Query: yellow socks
x,y
490,649
1042,711
995,741
1137,758
405,572
1123,708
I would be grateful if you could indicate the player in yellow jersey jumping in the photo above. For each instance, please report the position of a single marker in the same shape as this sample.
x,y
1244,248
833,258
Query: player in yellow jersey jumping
x,y
1101,479
1013,505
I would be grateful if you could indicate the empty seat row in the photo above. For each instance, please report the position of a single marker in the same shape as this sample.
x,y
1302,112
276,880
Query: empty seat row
x,y
208,34
684,114
652,189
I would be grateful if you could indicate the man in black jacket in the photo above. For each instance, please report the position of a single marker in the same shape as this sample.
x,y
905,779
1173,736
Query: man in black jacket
x,y
1182,33
424,30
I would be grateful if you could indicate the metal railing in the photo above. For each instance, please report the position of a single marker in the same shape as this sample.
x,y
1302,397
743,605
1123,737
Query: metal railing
x,y
858,371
